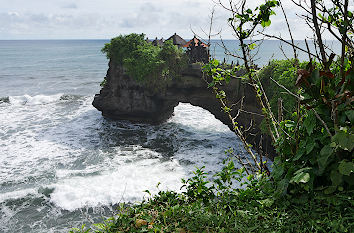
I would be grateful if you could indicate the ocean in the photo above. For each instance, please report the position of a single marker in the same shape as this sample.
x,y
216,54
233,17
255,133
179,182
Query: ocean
x,y
63,165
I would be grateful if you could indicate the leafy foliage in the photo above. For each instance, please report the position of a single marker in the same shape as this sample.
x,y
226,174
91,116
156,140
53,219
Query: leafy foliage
x,y
284,72
146,63
175,59
316,151
259,16
122,46
335,17
315,143
315,140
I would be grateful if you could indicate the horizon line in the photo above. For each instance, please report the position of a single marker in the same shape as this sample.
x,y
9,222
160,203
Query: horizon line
x,y
48,39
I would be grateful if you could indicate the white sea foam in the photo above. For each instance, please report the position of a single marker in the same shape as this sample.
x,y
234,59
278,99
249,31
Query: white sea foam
x,y
123,184
17,194
200,119
34,100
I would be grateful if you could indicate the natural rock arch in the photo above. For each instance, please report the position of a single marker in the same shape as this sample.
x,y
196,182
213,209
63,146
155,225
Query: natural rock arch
x,y
124,98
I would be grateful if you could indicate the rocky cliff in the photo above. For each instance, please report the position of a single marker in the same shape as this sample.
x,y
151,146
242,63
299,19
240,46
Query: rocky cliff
x,y
124,98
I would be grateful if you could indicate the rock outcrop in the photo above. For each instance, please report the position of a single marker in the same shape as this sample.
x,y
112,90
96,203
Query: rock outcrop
x,y
124,98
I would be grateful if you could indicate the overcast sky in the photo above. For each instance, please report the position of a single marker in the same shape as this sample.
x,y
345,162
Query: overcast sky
x,y
104,19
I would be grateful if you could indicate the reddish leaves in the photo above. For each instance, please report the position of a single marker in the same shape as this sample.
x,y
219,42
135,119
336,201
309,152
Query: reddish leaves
x,y
302,76
327,74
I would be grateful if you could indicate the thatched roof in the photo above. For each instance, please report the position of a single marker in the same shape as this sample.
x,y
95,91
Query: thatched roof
x,y
196,41
157,42
177,40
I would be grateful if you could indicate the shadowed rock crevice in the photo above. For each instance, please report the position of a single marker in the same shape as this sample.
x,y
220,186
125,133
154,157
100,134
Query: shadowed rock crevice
x,y
123,98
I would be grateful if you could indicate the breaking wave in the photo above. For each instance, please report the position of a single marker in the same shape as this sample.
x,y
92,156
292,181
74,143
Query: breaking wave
x,y
38,99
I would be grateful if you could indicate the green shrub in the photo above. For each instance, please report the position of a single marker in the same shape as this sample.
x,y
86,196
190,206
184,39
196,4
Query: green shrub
x,y
284,72
146,63
316,150
315,140
175,59
122,47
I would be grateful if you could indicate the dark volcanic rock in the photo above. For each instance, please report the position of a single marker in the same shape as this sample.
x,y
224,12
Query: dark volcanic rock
x,y
124,98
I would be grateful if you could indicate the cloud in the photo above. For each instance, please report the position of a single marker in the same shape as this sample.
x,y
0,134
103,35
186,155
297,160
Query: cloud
x,y
178,20
148,14
38,18
15,14
52,26
103,19
70,6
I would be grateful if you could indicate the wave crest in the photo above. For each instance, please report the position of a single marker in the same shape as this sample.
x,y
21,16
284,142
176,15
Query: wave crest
x,y
37,99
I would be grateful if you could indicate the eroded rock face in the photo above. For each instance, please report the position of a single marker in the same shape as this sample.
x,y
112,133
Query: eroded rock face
x,y
124,98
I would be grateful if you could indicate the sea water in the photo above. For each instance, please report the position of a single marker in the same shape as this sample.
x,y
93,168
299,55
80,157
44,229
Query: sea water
x,y
62,164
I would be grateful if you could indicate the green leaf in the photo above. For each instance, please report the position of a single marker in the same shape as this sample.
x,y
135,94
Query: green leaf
x,y
300,152
310,146
215,62
350,115
344,140
346,167
278,171
211,84
310,123
282,185
266,202
147,191
226,109
350,14
302,177
325,153
305,169
336,178
330,189
266,23
252,46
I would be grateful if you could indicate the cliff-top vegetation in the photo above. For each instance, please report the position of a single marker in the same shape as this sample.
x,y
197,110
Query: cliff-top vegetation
x,y
143,61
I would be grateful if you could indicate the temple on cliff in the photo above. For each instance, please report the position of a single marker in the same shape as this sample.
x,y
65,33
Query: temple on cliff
x,y
195,42
177,40
197,51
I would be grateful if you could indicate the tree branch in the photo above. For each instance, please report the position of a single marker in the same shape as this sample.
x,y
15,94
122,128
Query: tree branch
x,y
317,31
